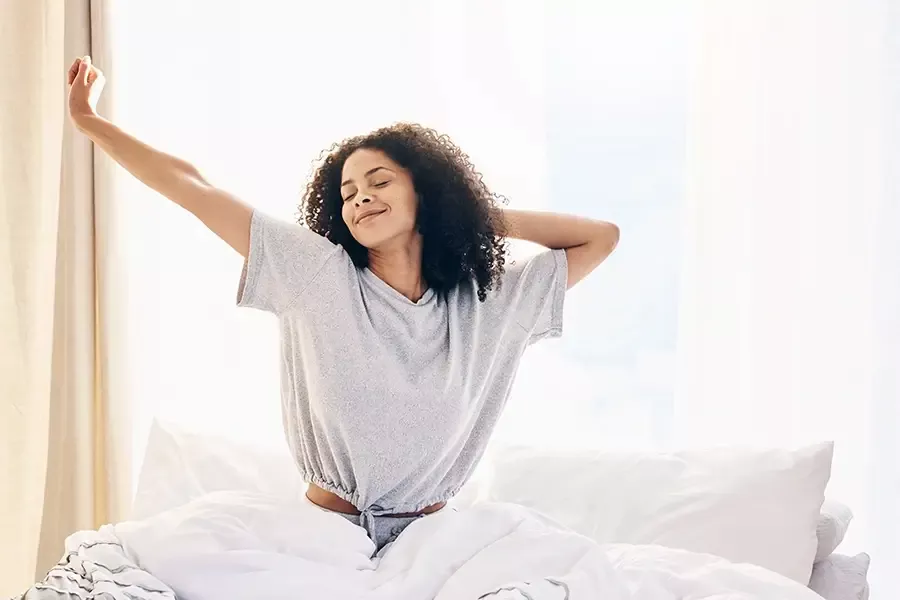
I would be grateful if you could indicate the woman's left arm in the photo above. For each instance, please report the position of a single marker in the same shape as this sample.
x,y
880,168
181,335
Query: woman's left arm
x,y
587,242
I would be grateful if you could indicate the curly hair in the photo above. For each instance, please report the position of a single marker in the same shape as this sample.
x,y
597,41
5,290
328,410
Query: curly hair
x,y
463,235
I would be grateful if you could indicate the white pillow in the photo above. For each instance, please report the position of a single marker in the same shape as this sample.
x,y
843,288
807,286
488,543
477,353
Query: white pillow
x,y
700,500
834,521
840,577
180,466
754,506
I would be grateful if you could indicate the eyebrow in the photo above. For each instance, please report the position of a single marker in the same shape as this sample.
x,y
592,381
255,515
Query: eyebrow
x,y
369,172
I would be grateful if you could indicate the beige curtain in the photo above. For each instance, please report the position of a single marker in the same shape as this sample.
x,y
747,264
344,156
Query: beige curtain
x,y
63,425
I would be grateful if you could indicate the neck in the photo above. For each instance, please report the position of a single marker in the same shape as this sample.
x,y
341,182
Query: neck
x,y
400,268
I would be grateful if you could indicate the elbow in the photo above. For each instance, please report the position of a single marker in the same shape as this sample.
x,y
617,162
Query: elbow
x,y
187,188
188,171
609,236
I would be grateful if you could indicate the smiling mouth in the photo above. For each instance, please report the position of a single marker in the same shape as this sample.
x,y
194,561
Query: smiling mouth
x,y
370,216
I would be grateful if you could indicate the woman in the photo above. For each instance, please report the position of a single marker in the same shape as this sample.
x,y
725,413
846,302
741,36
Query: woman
x,y
402,327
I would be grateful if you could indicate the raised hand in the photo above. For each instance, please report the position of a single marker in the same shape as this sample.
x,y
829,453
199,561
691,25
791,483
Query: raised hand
x,y
85,83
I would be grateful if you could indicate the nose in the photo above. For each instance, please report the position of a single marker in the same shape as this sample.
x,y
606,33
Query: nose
x,y
363,199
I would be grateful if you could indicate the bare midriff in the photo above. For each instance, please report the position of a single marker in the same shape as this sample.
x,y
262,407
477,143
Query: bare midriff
x,y
328,500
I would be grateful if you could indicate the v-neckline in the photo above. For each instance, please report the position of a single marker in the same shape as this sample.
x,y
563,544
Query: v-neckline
x,y
387,289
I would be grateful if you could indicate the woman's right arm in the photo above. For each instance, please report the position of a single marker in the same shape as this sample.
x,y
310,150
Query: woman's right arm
x,y
176,179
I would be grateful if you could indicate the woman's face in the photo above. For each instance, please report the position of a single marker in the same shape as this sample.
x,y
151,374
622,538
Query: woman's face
x,y
380,201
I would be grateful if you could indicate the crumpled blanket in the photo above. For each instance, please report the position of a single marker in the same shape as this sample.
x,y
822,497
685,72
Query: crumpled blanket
x,y
95,565
240,546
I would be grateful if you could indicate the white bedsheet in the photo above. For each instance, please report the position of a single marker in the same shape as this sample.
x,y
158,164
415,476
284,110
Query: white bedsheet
x,y
243,546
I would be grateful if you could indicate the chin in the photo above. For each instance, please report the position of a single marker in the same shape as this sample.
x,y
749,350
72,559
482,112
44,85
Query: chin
x,y
370,242
374,240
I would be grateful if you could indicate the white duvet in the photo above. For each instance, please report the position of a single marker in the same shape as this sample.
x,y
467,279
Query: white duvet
x,y
239,546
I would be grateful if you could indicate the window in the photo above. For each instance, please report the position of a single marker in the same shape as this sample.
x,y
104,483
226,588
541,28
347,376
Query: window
x,y
570,108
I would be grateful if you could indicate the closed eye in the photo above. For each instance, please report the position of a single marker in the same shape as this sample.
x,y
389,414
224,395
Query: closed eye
x,y
378,185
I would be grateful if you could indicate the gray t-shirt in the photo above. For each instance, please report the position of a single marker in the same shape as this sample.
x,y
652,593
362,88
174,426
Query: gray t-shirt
x,y
390,403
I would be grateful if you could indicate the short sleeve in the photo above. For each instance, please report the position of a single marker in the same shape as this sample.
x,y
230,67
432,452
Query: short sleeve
x,y
283,259
535,289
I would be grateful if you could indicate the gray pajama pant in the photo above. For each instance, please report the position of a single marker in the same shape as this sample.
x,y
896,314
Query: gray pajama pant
x,y
382,529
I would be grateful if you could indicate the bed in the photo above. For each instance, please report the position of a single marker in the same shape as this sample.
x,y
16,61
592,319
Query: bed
x,y
213,518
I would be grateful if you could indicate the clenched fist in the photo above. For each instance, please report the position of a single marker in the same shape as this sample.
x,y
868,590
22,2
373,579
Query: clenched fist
x,y
85,85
